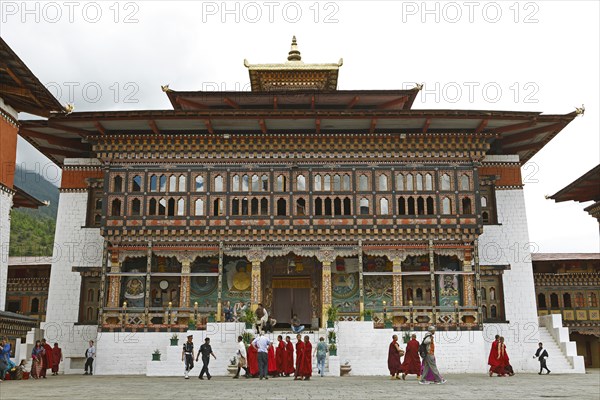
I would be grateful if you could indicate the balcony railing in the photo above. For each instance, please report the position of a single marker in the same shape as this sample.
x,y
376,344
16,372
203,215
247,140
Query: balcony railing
x,y
421,317
156,319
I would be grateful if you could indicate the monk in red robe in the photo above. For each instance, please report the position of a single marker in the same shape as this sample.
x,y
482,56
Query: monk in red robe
x,y
306,360
494,360
47,359
412,361
252,361
56,358
271,362
280,356
289,357
299,349
508,369
394,354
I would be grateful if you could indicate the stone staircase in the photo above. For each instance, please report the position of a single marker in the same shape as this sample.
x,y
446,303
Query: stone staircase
x,y
562,353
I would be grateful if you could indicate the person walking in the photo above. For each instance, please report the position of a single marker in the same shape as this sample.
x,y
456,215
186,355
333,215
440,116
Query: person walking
x,y
541,355
321,353
56,358
261,343
36,356
90,356
412,362
47,359
280,356
508,369
493,358
394,354
242,358
187,356
206,352
427,352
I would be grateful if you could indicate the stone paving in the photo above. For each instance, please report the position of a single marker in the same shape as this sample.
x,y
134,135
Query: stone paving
x,y
521,386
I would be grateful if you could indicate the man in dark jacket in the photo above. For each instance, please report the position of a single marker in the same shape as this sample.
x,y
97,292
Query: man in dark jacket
x,y
541,355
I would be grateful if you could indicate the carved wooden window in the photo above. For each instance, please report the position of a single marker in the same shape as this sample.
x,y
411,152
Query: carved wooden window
x,y
218,207
162,207
430,208
153,183
35,305
337,183
465,182
152,207
346,182
171,207
199,207
255,183
281,183
420,206
579,300
446,206
245,183
401,206
411,206
118,184
541,300
300,205
136,207
409,182
181,183
593,300
399,182
264,183
264,206
115,209
445,182
554,300
327,182
364,206
488,205
301,183
163,183
318,206
254,206
327,206
180,207
281,207
94,210
419,181
218,183
384,206
466,206
347,206
245,206
236,183
172,183
235,206
199,183
428,182
136,184
318,183
363,183
383,182
567,300
337,206
89,305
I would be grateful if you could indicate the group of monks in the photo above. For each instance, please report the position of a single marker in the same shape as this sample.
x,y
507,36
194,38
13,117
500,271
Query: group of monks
x,y
281,358
498,359
412,362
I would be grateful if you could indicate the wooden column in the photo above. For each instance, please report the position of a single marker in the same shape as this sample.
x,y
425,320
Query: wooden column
x,y
114,282
220,285
256,257
103,282
477,281
361,290
326,256
184,290
396,257
468,281
432,280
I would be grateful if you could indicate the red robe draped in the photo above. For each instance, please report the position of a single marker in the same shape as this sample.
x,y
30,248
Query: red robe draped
x,y
505,361
306,360
299,349
412,361
493,361
289,359
394,364
280,355
56,356
252,360
272,363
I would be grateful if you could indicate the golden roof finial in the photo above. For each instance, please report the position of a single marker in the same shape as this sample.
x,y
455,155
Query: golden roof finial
x,y
294,54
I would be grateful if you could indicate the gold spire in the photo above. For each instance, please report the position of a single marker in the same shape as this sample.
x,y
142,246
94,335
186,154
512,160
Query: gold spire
x,y
294,54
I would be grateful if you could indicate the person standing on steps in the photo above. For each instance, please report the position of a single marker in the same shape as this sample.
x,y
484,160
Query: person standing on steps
x,y
541,355
242,357
206,352
187,356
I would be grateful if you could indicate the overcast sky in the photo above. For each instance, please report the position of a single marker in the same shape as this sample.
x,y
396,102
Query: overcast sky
x,y
526,56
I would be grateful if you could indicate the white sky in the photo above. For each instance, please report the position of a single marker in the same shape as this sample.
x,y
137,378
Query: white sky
x,y
543,56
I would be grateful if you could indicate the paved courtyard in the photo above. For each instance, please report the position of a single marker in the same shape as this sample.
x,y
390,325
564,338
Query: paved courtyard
x,y
521,386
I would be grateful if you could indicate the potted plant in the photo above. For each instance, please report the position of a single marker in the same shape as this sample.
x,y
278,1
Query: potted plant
x,y
249,318
211,316
406,337
232,367
367,315
332,316
174,339
331,337
191,324
332,349
156,355
247,338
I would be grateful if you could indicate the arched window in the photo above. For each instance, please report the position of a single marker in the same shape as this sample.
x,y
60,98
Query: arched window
x,y
327,182
235,206
35,305
180,207
363,183
346,182
171,207
172,183
318,206
337,206
483,294
218,183
318,183
492,294
97,219
255,183
347,206
428,182
483,201
281,207
493,311
541,300
301,183
419,294
409,294
430,206
264,180
162,207
364,206
136,207
419,181
254,206
281,186
136,185
264,206
118,184
383,182
199,183
399,182
90,295
464,182
411,206
116,207
328,206
218,207
567,300
245,206
485,217
235,183
553,300
446,206
466,206
384,206
245,183
409,184
153,183
593,300
152,207
199,207
337,183
445,182
401,206
484,313
420,206
163,183
300,207
181,184
579,300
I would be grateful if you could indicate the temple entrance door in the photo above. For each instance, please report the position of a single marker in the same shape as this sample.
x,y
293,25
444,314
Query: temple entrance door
x,y
291,295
